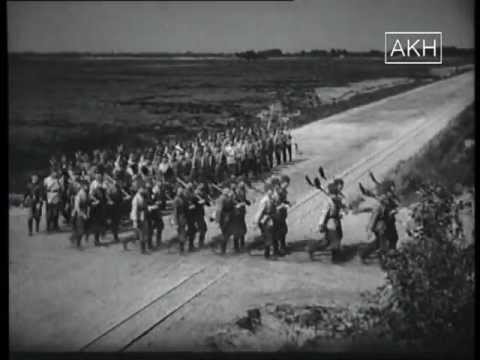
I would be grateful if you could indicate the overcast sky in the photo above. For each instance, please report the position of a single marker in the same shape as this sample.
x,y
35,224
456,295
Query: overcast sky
x,y
230,26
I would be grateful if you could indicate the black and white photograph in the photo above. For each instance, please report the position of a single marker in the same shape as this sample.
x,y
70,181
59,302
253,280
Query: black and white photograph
x,y
241,176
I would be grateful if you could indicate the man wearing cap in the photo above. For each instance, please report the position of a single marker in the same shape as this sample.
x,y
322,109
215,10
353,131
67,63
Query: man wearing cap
x,y
386,188
97,203
33,200
202,200
392,209
156,203
163,168
288,143
80,212
191,209
114,204
179,217
264,219
330,221
280,220
97,197
66,191
240,210
377,227
52,187
138,215
277,141
230,158
224,214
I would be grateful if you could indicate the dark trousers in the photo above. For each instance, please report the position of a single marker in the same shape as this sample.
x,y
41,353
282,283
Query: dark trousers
x,y
270,159
34,214
52,216
66,209
278,156
182,236
219,173
115,215
226,235
284,154
97,223
289,150
280,235
191,232
79,229
157,225
252,166
201,226
142,232
269,240
392,235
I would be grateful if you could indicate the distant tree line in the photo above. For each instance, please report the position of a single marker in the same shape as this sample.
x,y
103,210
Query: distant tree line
x,y
247,55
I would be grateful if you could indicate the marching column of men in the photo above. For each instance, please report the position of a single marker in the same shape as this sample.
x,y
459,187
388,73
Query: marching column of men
x,y
93,194
97,207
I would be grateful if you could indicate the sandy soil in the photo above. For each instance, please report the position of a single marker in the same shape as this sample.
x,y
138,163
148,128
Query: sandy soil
x,y
62,299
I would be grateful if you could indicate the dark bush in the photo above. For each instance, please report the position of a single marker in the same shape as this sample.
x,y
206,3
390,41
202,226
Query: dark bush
x,y
431,280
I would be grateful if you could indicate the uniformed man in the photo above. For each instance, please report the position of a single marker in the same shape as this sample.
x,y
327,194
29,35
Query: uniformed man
x,y
80,212
33,200
377,227
97,198
330,220
138,215
264,220
280,220
180,217
156,203
392,209
199,213
277,141
191,208
230,158
52,187
224,216
288,141
239,224
114,205
66,191
386,189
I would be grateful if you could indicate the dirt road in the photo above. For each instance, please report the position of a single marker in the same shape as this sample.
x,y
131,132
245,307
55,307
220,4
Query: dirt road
x,y
103,299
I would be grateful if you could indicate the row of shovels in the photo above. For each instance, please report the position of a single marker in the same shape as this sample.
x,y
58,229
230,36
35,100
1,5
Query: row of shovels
x,y
316,183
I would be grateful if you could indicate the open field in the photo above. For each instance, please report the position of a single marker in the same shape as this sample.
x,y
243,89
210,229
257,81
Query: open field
x,y
105,299
58,104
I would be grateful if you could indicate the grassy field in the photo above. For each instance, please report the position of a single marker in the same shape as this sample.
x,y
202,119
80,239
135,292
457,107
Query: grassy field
x,y
62,104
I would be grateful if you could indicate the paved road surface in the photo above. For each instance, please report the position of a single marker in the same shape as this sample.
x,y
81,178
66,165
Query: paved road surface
x,y
103,299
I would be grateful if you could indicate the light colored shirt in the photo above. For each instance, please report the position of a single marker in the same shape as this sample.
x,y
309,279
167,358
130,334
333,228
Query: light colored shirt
x,y
261,208
138,208
80,203
94,185
230,154
52,187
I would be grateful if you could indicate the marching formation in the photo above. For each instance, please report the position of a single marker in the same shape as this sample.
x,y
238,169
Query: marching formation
x,y
99,193
95,194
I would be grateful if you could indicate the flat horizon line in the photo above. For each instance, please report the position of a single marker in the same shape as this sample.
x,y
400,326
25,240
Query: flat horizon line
x,y
192,53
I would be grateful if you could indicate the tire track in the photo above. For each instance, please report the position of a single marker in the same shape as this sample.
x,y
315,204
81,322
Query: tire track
x,y
132,328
